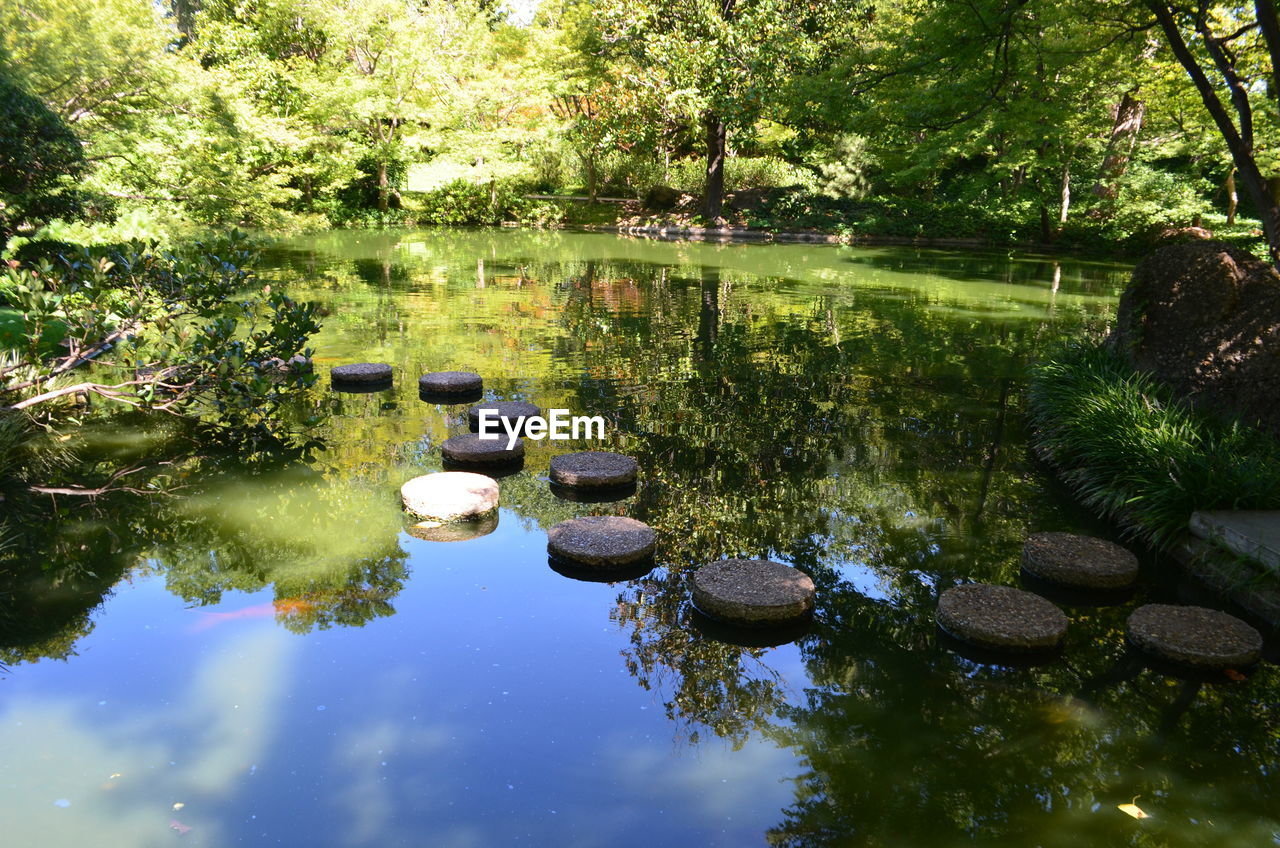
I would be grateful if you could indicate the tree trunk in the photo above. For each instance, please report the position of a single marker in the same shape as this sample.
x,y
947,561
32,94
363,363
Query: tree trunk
x,y
1066,195
713,195
1046,231
383,190
1233,197
184,14
1239,140
1125,126
593,178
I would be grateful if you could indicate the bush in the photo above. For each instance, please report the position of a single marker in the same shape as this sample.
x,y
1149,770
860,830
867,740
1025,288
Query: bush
x,y
741,174
1137,455
463,203
40,162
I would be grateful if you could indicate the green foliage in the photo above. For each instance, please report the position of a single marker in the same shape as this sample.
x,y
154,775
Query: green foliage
x,y
190,336
1138,456
462,203
40,161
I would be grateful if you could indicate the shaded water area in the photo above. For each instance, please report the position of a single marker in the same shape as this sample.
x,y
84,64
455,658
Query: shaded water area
x,y
268,657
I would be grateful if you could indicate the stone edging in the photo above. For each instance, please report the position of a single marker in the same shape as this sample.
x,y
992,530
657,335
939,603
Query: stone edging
x,y
1235,578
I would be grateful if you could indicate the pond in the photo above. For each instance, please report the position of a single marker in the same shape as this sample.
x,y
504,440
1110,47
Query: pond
x,y
268,657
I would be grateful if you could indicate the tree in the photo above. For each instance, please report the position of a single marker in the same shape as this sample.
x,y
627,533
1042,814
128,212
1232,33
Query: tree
x,y
40,161
1233,50
393,68
723,63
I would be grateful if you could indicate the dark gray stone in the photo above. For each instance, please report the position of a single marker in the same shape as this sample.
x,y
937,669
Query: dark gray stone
x,y
1080,562
1001,618
601,541
752,592
470,449
361,374
450,383
593,469
1194,636
509,410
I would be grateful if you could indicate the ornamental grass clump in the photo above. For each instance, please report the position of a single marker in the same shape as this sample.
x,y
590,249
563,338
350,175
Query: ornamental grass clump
x,y
1139,456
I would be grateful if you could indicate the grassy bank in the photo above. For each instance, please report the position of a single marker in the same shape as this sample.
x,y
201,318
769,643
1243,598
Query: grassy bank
x,y
1134,454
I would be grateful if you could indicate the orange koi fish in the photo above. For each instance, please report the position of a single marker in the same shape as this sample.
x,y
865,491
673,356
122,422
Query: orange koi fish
x,y
284,606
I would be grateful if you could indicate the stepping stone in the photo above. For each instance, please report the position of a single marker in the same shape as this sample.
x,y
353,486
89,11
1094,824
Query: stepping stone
x,y
455,531
752,592
1080,562
1195,636
593,469
470,449
360,376
450,496
1001,618
450,383
509,410
601,541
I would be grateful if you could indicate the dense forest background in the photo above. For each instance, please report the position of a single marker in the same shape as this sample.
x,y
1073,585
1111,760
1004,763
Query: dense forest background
x,y
1077,122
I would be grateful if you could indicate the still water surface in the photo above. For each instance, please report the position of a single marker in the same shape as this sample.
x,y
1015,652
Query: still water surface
x,y
270,659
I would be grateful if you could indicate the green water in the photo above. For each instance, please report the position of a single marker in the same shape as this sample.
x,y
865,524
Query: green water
x,y
270,649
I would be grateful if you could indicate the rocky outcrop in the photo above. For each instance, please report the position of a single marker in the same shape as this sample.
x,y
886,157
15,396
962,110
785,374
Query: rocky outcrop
x,y
1204,318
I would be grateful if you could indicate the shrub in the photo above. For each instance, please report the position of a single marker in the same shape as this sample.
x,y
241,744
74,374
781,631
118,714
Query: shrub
x,y
1137,455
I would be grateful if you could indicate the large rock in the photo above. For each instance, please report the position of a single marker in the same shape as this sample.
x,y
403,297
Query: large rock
x,y
662,198
1205,319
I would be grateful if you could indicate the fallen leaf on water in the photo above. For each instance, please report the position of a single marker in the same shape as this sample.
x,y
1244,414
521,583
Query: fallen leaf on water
x,y
182,829
1232,674
1133,810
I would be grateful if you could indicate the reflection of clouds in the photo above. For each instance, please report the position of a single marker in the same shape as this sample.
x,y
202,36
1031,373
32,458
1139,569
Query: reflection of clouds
x,y
720,782
374,790
55,750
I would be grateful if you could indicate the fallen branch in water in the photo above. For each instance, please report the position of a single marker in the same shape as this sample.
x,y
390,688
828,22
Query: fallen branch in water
x,y
109,392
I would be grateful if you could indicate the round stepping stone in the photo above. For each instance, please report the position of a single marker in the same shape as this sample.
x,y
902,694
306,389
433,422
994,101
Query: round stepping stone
x,y
593,469
1001,618
361,374
601,541
455,531
752,592
470,449
450,383
1080,562
509,410
450,496
1194,636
